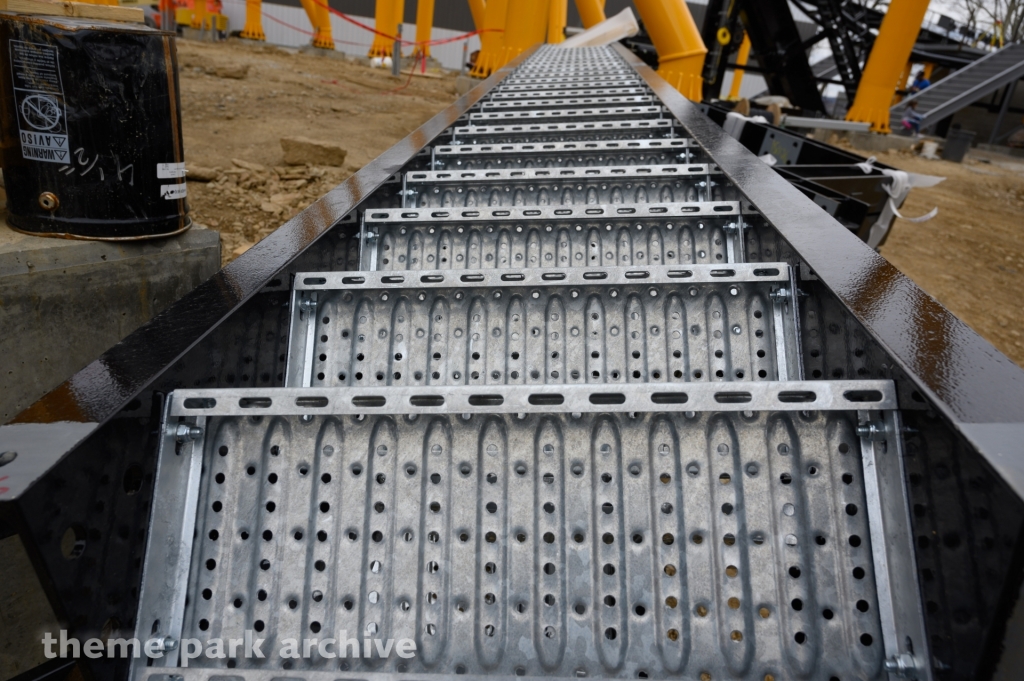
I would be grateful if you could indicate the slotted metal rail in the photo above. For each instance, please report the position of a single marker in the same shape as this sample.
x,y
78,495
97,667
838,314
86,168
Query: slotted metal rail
x,y
557,424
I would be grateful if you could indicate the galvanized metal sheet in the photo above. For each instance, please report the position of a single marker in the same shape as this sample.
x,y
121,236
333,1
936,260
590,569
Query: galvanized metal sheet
x,y
567,154
566,132
566,186
603,113
641,234
571,93
580,325
563,102
601,545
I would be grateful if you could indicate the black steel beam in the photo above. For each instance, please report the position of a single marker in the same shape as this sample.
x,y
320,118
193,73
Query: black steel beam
x,y
978,388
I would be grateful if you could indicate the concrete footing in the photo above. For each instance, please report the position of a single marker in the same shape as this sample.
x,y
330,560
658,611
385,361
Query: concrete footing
x,y
63,302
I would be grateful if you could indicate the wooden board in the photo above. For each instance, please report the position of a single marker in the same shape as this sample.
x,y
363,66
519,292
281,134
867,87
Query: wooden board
x,y
79,10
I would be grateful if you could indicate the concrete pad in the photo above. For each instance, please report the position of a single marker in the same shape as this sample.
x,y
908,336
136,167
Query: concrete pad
x,y
63,302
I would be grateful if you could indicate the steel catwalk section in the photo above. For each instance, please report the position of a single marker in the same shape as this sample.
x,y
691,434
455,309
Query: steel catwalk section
x,y
567,154
609,113
705,233
605,544
618,326
565,132
565,186
499,96
538,102
817,626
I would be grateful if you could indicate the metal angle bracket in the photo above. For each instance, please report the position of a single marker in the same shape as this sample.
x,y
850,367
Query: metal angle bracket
x,y
801,396
895,565
170,537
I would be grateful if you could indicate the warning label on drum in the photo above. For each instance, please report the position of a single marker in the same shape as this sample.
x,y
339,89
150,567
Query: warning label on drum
x,y
39,96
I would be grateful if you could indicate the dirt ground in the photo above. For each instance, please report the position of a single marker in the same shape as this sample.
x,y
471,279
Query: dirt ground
x,y
238,100
970,256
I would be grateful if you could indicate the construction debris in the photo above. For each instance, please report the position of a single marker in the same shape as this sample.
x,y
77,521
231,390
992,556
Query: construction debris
x,y
302,151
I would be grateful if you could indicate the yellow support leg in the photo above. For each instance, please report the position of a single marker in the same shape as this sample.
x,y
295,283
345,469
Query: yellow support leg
x,y
557,12
677,39
385,21
591,12
492,41
477,8
323,37
253,29
737,74
320,20
198,14
424,23
525,26
892,49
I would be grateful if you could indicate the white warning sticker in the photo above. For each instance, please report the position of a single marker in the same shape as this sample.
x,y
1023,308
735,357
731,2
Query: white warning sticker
x,y
172,191
168,171
39,96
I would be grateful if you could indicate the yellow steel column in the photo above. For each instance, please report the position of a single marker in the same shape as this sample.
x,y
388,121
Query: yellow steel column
x,y
477,9
903,82
322,37
385,21
737,74
492,42
558,9
198,13
253,29
424,23
591,12
677,39
525,26
892,49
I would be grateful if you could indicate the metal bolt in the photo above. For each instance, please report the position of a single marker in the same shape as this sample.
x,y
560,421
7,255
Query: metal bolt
x,y
407,192
871,431
781,294
185,432
167,644
903,665
307,304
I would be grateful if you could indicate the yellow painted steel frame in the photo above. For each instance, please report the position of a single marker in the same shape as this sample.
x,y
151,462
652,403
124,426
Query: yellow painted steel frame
x,y
895,42
558,10
253,29
199,14
477,8
320,18
677,39
387,16
525,26
737,74
492,41
591,12
424,24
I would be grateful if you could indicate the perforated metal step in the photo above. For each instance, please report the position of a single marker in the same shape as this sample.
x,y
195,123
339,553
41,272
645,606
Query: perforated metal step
x,y
565,132
568,154
581,325
597,113
537,102
566,186
572,93
503,238
610,545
